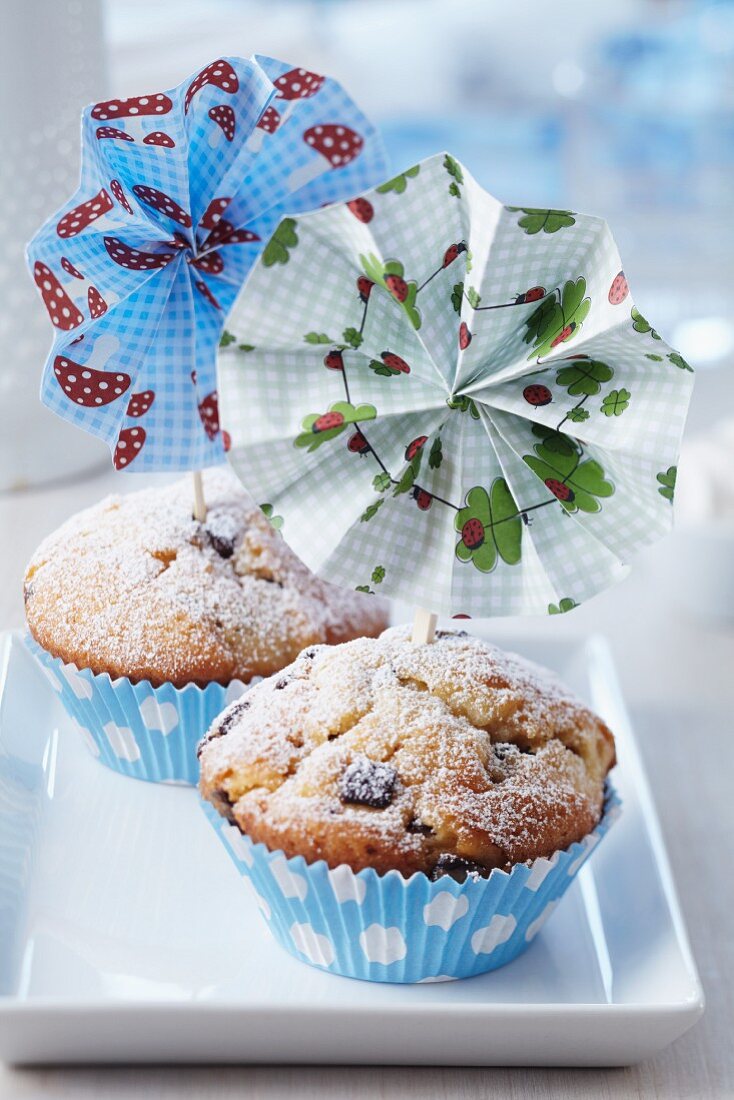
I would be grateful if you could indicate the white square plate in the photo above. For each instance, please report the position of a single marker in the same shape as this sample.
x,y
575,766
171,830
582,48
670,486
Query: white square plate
x,y
124,935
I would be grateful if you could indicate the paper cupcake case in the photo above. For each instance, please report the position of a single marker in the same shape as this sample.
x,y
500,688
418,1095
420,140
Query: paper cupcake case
x,y
385,928
134,728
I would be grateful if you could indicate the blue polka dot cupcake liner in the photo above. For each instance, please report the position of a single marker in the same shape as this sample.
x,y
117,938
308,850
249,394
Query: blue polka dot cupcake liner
x,y
386,928
136,729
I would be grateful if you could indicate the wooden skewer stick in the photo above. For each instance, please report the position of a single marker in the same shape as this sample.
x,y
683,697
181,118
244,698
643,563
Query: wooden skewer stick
x,y
424,626
199,502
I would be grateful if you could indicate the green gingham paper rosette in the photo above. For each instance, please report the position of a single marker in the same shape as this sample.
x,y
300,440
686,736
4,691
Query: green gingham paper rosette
x,y
454,401
385,928
136,729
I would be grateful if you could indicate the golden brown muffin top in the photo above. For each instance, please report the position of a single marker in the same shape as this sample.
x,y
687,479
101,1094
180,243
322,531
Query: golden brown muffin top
x,y
134,586
379,753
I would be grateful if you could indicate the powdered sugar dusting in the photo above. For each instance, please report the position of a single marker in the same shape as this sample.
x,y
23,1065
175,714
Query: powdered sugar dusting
x,y
136,587
386,754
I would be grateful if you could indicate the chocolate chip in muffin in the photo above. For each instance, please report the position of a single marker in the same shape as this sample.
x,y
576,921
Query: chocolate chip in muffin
x,y
503,749
222,531
368,783
407,758
224,804
456,868
134,587
224,546
229,720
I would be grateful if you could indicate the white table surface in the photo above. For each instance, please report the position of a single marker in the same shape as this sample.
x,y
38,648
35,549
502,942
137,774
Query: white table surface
x,y
678,678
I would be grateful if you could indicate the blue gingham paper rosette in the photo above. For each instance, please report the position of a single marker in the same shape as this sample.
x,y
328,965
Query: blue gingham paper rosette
x,y
385,928
179,193
134,728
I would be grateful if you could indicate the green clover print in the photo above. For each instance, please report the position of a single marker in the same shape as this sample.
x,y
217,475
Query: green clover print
x,y
615,402
352,337
371,510
277,250
564,605
409,474
490,527
276,522
464,404
318,428
547,221
399,183
557,318
457,176
391,277
667,480
577,483
678,361
389,365
640,324
584,377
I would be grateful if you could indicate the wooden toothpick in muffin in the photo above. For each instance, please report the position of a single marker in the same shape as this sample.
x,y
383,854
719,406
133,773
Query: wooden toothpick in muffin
x,y
136,592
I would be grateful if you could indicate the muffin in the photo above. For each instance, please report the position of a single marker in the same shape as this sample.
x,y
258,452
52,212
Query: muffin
x,y
451,790
149,622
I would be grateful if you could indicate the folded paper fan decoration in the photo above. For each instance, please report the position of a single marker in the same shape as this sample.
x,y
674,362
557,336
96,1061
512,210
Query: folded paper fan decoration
x,y
179,193
453,401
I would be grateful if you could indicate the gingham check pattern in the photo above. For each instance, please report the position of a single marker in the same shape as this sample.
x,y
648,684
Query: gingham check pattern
x,y
323,494
166,331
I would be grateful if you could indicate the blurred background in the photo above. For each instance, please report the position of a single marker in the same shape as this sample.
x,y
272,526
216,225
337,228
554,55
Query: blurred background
x,y
623,110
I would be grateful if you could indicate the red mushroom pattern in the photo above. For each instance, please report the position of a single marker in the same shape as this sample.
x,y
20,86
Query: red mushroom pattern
x,y
132,258
129,445
74,221
163,203
209,262
96,303
298,84
140,403
206,293
225,233
157,137
89,387
338,144
69,268
117,191
63,312
220,73
224,117
269,120
214,212
209,413
113,134
136,107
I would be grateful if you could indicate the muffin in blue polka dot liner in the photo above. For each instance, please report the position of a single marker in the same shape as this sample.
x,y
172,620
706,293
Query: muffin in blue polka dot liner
x,y
147,622
408,813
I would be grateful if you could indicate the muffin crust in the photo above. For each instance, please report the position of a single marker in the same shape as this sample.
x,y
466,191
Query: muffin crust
x,y
451,758
135,587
